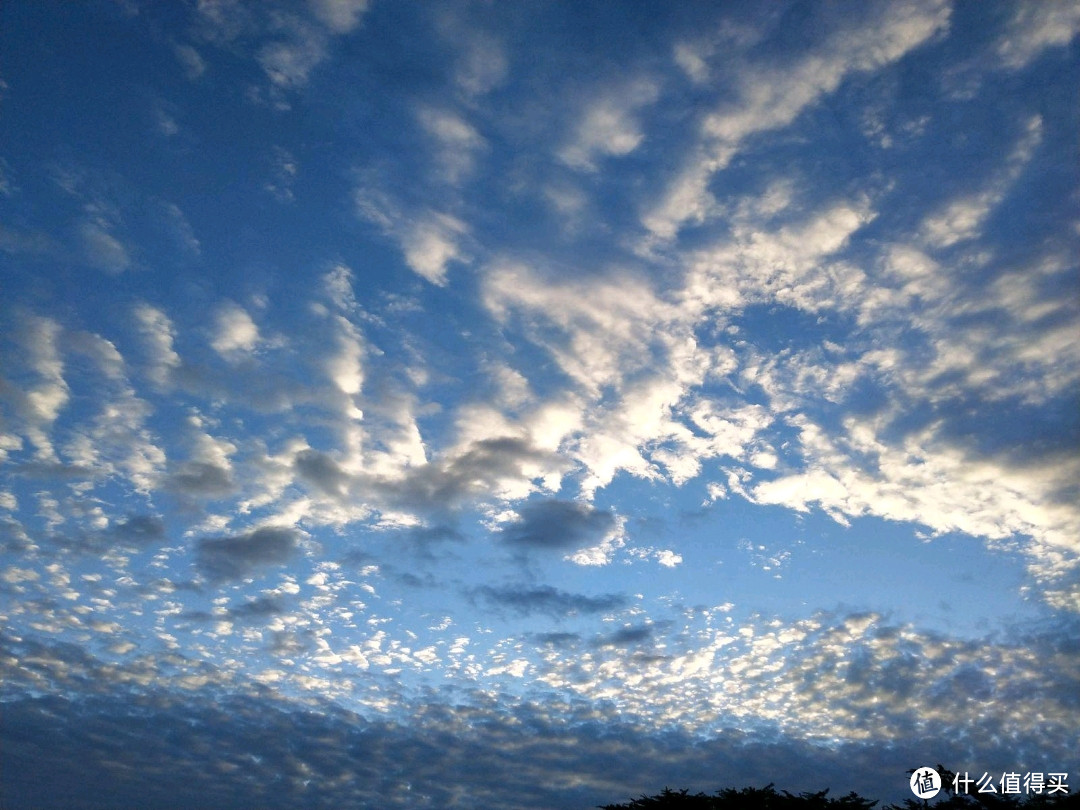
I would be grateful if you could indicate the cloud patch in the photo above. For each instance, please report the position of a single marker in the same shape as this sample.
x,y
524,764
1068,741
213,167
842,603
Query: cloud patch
x,y
241,555
609,127
235,333
548,600
555,525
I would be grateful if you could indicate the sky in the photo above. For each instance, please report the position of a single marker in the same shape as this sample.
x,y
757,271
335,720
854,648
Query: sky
x,y
534,405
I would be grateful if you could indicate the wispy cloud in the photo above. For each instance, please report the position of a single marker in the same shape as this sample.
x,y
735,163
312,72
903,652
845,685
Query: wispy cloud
x,y
340,16
190,60
429,239
457,141
608,127
1033,29
550,600
770,97
431,243
101,247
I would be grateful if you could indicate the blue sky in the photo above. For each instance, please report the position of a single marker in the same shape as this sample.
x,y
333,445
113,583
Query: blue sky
x,y
534,405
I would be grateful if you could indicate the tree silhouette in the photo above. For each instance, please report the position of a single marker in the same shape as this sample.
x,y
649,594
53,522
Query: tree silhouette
x,y
749,798
768,798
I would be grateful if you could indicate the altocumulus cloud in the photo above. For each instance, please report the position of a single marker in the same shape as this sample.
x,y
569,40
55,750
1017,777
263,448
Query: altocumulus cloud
x,y
557,525
547,599
239,555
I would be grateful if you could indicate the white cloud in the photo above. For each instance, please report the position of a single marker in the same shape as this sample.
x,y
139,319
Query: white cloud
x,y
623,418
727,40
608,126
290,60
567,200
601,554
40,403
770,97
636,366
158,335
340,16
345,367
962,219
207,449
101,248
511,385
178,226
515,669
116,442
104,438
812,356
604,320
13,575
481,66
835,678
283,171
166,124
287,44
1035,27
429,239
668,559
190,60
457,140
431,243
692,59
686,198
235,333
9,443
925,480
337,282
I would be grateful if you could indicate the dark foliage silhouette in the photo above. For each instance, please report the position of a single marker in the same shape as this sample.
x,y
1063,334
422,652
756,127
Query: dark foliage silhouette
x,y
768,798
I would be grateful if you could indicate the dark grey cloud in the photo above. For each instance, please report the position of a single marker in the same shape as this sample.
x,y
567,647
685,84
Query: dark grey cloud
x,y
198,615
236,751
78,734
547,599
411,580
129,534
137,531
434,488
291,642
560,640
55,470
422,535
260,608
424,541
556,524
322,472
234,557
200,479
13,536
446,483
628,636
